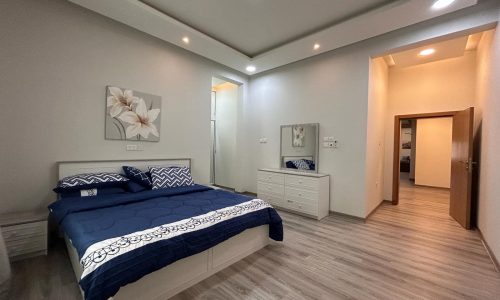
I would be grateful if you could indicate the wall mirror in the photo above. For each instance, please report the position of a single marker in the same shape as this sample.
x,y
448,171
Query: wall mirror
x,y
299,147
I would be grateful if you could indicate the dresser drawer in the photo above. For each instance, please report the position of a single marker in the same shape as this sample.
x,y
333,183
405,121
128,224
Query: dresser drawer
x,y
303,196
24,231
270,189
302,182
271,199
270,177
20,247
307,208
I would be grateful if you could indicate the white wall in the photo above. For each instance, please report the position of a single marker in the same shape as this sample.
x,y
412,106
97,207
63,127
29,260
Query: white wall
x,y
377,107
332,89
488,95
445,85
433,161
56,59
226,130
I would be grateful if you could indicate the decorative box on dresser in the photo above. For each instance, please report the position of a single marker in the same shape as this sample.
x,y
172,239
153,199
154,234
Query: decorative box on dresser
x,y
302,192
25,234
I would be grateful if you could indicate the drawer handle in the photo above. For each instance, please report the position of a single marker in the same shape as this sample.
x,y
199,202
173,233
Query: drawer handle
x,y
289,201
300,194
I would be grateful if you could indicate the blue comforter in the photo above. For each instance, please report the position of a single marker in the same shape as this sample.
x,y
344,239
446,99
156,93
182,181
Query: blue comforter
x,y
120,238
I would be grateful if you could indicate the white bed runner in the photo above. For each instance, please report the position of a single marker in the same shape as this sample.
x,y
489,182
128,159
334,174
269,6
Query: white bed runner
x,y
104,251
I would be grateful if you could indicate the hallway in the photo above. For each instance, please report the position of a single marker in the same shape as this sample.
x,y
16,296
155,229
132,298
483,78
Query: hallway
x,y
424,202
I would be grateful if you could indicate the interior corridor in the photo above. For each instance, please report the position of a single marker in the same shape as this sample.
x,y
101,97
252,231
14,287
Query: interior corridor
x,y
424,202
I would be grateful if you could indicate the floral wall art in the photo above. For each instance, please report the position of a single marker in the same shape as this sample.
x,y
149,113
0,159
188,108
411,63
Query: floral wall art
x,y
298,136
132,115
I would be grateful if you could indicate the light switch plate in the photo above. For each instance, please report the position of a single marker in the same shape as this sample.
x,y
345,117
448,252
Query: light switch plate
x,y
333,144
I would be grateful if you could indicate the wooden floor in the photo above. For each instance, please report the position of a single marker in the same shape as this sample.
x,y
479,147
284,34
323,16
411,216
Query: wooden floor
x,y
410,251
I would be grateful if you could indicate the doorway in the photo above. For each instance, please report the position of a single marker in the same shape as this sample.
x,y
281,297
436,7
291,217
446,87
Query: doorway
x,y
427,154
223,132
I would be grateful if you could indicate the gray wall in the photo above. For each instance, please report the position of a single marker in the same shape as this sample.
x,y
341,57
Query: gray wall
x,y
56,59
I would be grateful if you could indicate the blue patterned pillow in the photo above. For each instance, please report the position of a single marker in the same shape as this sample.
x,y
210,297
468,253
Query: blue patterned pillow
x,y
170,177
89,181
301,164
134,187
137,175
311,164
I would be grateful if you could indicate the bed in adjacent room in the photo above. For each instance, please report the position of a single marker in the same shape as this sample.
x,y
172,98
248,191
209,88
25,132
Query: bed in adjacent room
x,y
153,243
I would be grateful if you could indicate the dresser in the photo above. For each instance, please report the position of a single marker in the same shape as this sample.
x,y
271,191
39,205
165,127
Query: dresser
x,y
301,192
25,234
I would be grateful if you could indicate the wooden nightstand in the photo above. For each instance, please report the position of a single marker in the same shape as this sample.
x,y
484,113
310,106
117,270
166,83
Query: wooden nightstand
x,y
25,234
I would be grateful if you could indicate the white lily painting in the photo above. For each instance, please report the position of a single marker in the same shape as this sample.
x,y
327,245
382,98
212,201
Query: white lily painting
x,y
132,115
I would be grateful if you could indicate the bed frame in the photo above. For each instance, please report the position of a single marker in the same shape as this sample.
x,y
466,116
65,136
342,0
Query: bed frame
x,y
184,273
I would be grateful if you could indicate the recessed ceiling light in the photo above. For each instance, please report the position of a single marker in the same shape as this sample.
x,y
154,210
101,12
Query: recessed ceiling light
x,y
440,4
251,68
426,52
316,46
185,40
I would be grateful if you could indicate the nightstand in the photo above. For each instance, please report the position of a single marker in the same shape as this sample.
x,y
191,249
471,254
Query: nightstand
x,y
25,234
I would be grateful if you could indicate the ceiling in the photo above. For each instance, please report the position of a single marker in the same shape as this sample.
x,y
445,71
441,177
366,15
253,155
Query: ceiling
x,y
450,48
266,34
443,50
256,26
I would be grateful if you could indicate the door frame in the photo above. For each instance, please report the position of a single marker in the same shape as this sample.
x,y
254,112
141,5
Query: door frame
x,y
242,86
397,141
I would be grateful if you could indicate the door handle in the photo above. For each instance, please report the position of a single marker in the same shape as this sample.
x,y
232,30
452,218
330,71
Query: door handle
x,y
469,164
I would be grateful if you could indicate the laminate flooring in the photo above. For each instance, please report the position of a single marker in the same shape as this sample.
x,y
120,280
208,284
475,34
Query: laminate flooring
x,y
410,251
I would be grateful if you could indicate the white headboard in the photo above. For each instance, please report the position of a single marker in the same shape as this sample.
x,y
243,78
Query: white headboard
x,y
69,168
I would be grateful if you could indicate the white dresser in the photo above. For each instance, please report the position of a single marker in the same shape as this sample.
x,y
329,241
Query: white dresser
x,y
305,193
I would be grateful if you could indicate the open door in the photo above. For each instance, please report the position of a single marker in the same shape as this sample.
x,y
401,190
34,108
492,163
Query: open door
x,y
461,167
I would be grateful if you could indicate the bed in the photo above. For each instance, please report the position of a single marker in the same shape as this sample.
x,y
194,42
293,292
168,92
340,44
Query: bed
x,y
156,243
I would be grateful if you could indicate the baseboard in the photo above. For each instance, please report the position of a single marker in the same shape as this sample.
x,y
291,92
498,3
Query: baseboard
x,y
346,215
488,250
432,187
360,218
224,187
248,194
375,209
